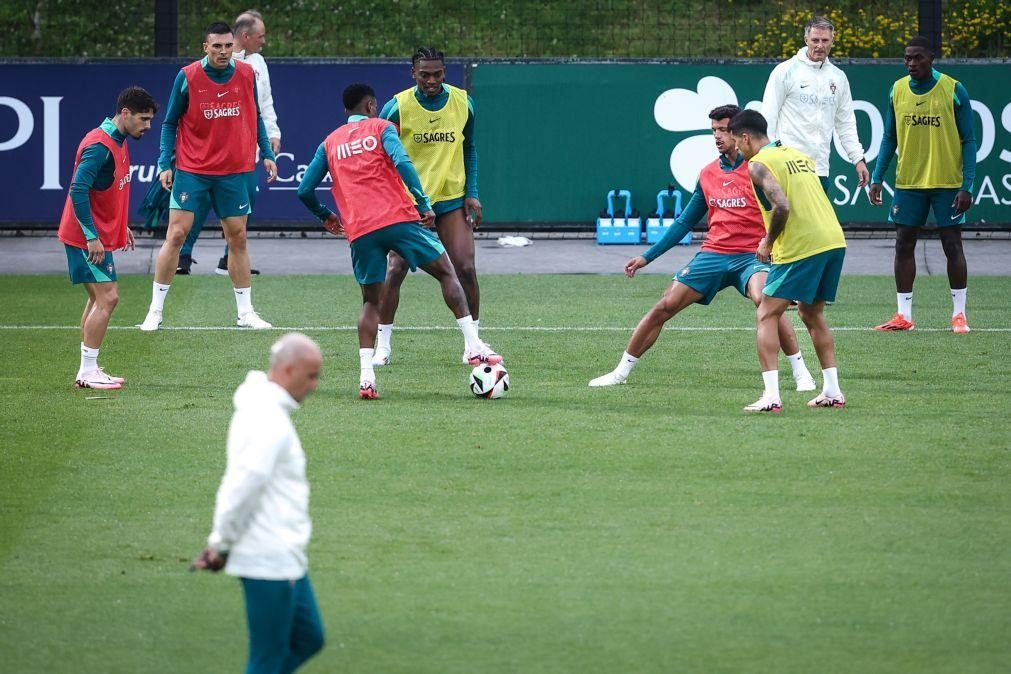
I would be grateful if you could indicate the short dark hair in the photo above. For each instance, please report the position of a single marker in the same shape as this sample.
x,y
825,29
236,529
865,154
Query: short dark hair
x,y
136,99
427,54
355,94
750,121
724,112
922,42
217,28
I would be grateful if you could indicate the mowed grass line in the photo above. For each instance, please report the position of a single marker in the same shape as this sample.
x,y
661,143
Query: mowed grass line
x,y
647,528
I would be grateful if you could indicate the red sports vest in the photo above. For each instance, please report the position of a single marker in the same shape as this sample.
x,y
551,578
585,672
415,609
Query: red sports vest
x,y
366,186
735,223
109,207
217,133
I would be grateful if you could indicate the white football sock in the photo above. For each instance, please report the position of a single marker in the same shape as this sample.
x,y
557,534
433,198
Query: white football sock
x,y
158,293
830,387
797,365
905,302
771,379
243,300
469,327
365,358
958,301
89,360
383,336
626,364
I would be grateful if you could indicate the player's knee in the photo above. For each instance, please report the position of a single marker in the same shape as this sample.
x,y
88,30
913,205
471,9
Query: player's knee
x,y
466,272
237,241
808,314
176,237
951,246
905,247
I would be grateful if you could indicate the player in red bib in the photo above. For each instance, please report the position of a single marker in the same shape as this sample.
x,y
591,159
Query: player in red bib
x,y
369,169
213,128
727,257
94,223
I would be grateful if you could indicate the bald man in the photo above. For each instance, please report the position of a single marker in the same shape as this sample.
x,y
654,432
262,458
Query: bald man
x,y
261,517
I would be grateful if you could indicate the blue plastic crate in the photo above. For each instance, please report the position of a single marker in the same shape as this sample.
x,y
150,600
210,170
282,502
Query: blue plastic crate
x,y
662,218
621,228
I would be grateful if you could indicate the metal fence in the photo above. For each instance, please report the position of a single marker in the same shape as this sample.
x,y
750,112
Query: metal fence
x,y
504,28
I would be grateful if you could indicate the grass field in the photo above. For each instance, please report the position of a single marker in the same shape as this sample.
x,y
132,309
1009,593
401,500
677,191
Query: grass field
x,y
649,528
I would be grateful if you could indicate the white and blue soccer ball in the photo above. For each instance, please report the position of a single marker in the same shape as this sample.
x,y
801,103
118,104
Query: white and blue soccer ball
x,y
489,381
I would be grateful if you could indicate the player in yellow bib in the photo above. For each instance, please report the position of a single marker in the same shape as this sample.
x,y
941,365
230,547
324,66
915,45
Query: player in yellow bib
x,y
806,246
929,118
436,125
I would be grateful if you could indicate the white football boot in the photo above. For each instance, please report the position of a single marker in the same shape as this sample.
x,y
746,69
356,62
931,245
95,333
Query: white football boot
x,y
151,322
252,320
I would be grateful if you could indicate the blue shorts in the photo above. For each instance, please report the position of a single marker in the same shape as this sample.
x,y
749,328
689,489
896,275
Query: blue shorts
x,y
411,241
448,206
227,195
808,280
82,271
709,273
910,207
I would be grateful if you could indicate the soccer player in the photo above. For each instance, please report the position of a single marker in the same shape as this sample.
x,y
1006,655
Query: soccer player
x,y
929,119
436,125
261,513
250,36
807,99
806,246
727,259
94,223
369,168
213,127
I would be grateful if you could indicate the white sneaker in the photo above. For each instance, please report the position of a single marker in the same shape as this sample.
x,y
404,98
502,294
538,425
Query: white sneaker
x,y
764,404
382,357
609,379
805,382
252,320
152,321
828,401
482,355
118,380
98,380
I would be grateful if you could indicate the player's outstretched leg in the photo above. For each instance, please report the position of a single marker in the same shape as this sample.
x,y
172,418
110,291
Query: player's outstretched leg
x,y
238,269
905,275
367,321
457,236
675,298
813,316
958,276
180,222
787,337
396,272
475,351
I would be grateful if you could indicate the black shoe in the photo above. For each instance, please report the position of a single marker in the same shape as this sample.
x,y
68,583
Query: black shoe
x,y
222,268
185,262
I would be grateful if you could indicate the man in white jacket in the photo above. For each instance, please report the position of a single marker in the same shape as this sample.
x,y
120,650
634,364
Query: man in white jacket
x,y
261,516
808,98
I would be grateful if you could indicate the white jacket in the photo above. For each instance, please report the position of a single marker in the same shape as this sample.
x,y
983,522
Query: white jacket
x,y
805,102
261,517
264,95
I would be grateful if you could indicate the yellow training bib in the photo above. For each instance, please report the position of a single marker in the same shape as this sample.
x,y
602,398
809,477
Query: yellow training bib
x,y
434,141
930,151
812,227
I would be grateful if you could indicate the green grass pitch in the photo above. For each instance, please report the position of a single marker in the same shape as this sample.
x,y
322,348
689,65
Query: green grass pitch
x,y
653,527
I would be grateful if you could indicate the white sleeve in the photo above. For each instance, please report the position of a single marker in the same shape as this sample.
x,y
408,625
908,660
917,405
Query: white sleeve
x,y
254,442
846,123
266,98
772,100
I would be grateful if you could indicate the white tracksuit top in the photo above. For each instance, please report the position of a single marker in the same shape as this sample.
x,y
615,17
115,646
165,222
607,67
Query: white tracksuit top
x,y
264,92
805,102
261,517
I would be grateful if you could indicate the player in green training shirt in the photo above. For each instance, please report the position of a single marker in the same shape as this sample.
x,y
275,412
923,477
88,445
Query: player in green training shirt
x,y
929,119
806,246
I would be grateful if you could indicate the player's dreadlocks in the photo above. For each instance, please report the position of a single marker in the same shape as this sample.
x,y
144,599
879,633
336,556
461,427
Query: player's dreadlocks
x,y
427,54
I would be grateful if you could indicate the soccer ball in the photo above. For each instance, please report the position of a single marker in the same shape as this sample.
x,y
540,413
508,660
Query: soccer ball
x,y
489,381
